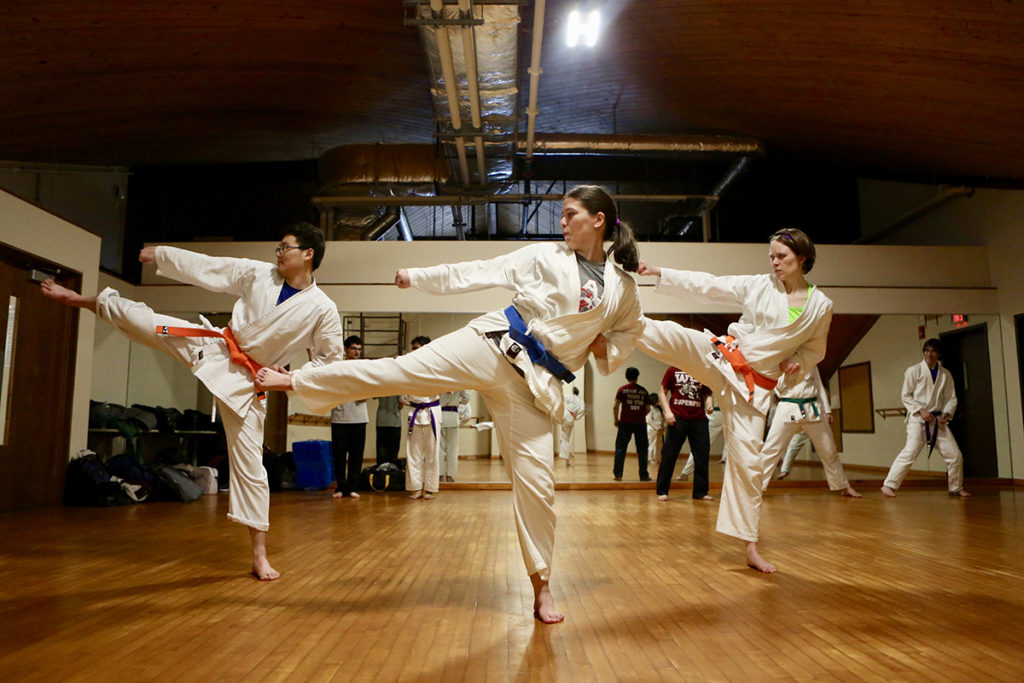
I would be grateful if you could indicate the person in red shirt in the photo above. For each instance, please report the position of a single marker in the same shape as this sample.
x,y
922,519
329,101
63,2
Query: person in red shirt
x,y
687,404
630,414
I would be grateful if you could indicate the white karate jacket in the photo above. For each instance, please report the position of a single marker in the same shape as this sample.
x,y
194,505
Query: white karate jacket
x,y
920,393
267,333
450,418
546,281
764,334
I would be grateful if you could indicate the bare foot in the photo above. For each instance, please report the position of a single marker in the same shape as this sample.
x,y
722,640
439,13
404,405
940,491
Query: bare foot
x,y
428,495
708,497
543,602
962,493
851,492
755,561
272,380
663,496
783,475
262,570
416,495
63,295
888,492
682,477
353,495
337,494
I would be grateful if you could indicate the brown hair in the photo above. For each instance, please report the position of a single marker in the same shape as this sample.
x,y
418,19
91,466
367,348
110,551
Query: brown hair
x,y
799,242
596,200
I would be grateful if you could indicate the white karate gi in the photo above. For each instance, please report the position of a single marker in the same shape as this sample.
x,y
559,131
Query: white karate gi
x,y
267,333
449,446
766,338
574,409
423,447
656,435
921,393
545,278
790,421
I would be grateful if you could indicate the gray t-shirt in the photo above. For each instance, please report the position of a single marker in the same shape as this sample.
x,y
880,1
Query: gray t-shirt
x,y
389,413
591,283
353,412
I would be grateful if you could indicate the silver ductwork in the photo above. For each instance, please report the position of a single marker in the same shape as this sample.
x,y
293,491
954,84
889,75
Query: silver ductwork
x,y
472,51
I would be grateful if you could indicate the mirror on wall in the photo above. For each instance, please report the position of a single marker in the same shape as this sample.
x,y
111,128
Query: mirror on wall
x,y
887,344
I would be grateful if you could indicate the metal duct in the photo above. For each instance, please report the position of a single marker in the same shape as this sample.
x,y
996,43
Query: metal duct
x,y
472,52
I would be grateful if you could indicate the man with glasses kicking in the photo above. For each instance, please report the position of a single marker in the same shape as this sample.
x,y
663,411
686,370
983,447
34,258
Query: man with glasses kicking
x,y
280,312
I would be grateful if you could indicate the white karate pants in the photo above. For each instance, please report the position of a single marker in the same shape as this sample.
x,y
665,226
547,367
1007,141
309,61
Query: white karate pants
x,y
946,446
739,513
249,497
786,432
793,450
421,466
449,451
565,445
465,359
655,440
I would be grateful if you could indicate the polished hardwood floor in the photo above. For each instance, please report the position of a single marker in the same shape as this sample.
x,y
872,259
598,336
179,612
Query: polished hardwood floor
x,y
921,588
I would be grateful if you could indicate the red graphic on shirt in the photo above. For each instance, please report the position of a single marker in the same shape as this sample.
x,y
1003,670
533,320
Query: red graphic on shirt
x,y
588,295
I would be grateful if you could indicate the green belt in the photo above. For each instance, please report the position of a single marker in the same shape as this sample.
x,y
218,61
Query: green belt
x,y
802,402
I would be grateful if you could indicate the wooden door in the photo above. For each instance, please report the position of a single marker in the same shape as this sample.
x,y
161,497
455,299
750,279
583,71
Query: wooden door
x,y
39,337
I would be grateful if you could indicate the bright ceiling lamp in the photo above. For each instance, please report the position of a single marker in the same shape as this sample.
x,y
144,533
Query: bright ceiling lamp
x,y
583,29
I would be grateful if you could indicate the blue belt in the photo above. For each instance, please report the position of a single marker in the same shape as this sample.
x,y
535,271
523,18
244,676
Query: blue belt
x,y
803,402
534,348
417,407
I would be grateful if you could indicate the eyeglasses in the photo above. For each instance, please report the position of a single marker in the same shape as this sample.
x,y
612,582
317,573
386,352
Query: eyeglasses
x,y
282,248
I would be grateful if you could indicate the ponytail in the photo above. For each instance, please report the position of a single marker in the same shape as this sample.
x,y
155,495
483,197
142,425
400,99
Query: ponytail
x,y
624,247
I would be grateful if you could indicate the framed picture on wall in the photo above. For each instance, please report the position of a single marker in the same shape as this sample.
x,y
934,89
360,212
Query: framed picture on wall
x,y
855,397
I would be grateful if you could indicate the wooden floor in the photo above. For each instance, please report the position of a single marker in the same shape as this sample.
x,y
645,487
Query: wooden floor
x,y
921,588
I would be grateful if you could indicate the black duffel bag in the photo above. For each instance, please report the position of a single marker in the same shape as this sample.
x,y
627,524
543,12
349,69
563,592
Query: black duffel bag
x,y
386,476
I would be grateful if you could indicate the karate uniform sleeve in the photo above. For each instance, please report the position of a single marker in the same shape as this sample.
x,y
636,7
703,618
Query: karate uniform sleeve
x,y
214,273
468,276
328,344
625,330
822,392
948,395
731,289
912,405
463,397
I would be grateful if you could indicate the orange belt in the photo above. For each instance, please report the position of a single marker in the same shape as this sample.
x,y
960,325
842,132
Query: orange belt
x,y
237,354
727,347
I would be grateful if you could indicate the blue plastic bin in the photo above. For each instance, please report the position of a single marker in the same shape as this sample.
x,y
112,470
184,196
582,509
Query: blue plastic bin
x,y
314,467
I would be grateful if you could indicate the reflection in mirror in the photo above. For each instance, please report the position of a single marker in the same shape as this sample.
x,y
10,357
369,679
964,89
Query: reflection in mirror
x,y
10,332
890,343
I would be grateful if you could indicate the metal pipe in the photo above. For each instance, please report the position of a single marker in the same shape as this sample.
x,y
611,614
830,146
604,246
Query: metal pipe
x,y
444,48
379,226
554,143
439,200
472,80
535,72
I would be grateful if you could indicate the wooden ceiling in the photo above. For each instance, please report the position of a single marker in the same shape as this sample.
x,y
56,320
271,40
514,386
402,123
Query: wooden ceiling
x,y
891,88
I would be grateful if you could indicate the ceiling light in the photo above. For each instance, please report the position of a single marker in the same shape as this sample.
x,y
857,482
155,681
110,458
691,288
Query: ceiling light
x,y
583,29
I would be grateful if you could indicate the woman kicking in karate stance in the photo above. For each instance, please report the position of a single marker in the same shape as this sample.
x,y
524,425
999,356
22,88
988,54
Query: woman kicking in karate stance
x,y
570,301
782,330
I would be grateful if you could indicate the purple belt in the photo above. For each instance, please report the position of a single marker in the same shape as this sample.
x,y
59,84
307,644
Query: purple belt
x,y
417,407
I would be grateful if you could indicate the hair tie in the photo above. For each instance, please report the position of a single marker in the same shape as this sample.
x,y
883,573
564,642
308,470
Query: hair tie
x,y
616,222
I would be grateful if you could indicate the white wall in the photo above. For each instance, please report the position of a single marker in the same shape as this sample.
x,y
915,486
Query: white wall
x,y
993,219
